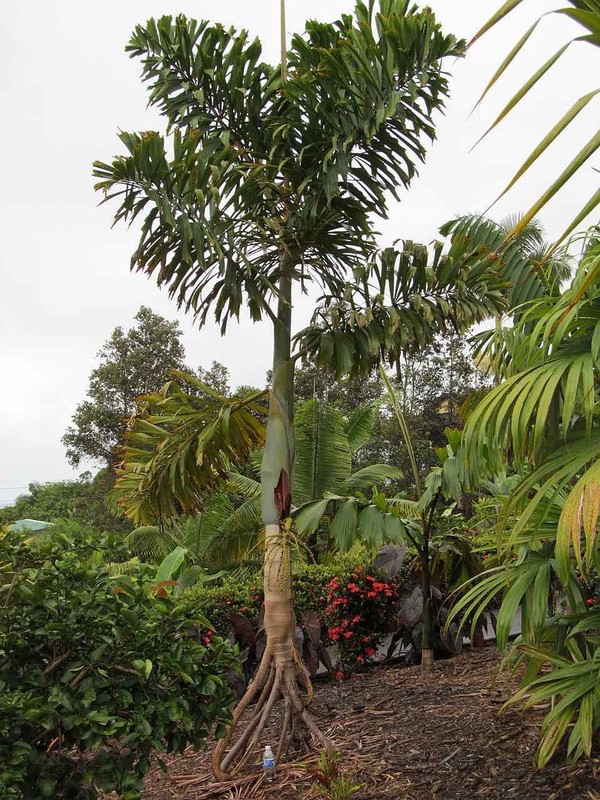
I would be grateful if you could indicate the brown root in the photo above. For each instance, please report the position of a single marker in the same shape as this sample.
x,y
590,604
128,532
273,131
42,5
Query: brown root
x,y
276,678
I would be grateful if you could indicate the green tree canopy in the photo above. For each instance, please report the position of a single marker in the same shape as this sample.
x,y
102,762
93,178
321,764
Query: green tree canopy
x,y
132,363
83,501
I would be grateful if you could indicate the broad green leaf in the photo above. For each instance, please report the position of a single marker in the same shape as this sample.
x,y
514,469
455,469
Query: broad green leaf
x,y
171,565
308,518
344,525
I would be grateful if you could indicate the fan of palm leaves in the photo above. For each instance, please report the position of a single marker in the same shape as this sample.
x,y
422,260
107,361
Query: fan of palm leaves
x,y
548,415
180,444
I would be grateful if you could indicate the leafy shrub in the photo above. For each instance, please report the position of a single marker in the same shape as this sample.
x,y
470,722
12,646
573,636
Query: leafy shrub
x,y
355,622
246,596
359,613
232,596
95,671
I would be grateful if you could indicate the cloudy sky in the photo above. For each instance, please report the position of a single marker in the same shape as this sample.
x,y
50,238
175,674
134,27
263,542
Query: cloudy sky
x,y
68,87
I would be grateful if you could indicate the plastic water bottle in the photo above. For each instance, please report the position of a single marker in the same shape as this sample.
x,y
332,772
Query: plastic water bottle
x,y
269,764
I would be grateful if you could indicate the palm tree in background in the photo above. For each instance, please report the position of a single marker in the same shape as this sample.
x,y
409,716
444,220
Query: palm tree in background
x,y
533,268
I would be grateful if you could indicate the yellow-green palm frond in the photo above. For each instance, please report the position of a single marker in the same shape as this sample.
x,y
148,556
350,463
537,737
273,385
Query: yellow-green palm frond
x,y
181,444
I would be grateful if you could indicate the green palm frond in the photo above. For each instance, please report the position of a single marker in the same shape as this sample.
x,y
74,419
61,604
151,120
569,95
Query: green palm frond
x,y
242,484
344,525
150,544
359,428
367,477
560,338
587,14
238,536
355,520
573,467
548,416
308,516
525,410
117,568
178,445
520,260
323,458
404,508
371,527
572,688
397,303
525,582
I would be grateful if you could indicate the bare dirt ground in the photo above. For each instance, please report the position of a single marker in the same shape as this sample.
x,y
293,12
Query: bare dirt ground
x,y
408,738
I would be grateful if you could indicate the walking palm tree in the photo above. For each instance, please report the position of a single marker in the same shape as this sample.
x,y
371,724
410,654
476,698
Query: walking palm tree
x,y
267,182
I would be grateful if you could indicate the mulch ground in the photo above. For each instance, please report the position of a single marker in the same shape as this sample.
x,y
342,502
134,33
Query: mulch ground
x,y
409,738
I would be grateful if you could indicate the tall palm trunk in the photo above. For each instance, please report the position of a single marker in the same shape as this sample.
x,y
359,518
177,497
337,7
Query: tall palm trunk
x,y
276,481
281,672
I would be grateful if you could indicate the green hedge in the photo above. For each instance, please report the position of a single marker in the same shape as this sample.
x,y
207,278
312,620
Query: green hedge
x,y
245,596
96,672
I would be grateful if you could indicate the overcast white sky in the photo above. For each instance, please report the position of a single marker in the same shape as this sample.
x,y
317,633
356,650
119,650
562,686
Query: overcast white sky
x,y
65,283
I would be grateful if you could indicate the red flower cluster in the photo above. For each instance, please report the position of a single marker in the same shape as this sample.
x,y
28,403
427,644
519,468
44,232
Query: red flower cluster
x,y
207,638
357,612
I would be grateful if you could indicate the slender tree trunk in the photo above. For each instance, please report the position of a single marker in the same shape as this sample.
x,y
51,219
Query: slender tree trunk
x,y
427,638
427,641
281,673
276,479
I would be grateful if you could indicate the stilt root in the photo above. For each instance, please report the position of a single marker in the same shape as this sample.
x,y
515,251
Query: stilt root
x,y
276,678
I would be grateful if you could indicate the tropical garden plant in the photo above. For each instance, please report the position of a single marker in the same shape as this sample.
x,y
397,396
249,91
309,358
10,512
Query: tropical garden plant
x,y
442,484
329,781
97,672
360,612
542,423
545,416
266,183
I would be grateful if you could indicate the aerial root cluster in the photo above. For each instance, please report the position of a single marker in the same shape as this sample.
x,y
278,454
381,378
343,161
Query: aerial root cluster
x,y
279,676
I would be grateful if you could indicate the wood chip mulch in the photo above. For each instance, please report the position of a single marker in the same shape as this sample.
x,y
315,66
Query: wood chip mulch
x,y
407,737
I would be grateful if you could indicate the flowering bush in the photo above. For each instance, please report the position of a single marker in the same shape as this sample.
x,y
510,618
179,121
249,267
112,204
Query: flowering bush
x,y
359,613
356,607
310,584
